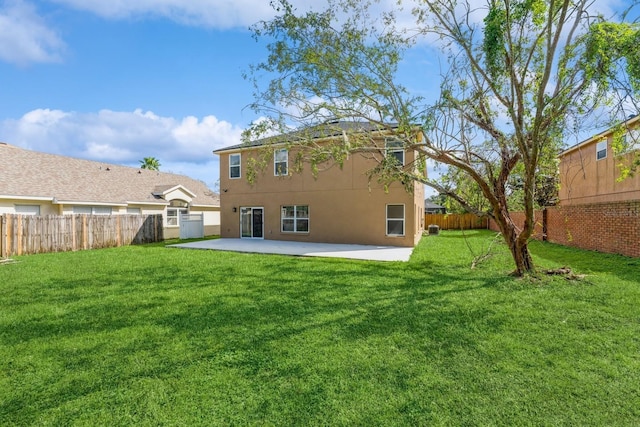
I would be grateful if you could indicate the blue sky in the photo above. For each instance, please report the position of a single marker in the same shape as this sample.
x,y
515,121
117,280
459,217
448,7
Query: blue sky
x,y
119,80
120,84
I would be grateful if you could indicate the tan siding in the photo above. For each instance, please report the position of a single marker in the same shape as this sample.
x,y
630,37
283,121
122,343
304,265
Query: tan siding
x,y
345,206
583,179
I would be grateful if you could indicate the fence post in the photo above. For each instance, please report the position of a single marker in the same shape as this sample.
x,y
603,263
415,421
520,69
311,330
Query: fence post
x,y
9,230
3,236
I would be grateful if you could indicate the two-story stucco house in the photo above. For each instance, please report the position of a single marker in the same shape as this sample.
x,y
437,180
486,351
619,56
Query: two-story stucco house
x,y
590,172
339,205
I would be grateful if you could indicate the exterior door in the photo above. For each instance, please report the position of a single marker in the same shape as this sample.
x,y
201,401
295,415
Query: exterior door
x,y
251,223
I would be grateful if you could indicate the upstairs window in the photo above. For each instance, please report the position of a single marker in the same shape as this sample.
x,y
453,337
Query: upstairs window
x,y
631,141
281,162
601,150
395,149
234,166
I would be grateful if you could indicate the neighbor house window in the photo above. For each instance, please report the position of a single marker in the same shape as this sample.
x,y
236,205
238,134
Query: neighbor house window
x,y
234,166
280,162
175,209
295,219
601,150
395,220
28,209
133,211
631,141
82,210
101,210
92,210
395,149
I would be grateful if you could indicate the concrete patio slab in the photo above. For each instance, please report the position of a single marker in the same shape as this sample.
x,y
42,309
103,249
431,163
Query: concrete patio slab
x,y
330,250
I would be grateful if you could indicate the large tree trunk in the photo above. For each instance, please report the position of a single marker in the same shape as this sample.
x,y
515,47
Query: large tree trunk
x,y
517,241
521,256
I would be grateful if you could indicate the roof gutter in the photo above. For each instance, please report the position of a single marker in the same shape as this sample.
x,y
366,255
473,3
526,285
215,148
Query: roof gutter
x,y
78,203
629,123
38,198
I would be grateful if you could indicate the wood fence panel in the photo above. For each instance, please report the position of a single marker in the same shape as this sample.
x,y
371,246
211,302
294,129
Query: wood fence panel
x,y
455,221
30,234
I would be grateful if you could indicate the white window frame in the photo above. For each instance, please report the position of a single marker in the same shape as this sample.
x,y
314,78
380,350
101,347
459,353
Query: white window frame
x,y
393,147
101,210
394,219
296,219
92,210
280,166
233,167
82,210
134,211
631,141
601,150
28,210
175,209
173,216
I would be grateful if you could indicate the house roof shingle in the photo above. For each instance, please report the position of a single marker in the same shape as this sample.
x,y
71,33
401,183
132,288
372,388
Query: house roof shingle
x,y
327,130
430,205
631,122
26,173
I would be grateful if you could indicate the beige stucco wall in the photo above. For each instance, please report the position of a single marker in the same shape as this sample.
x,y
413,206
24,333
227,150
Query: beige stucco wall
x,y
211,220
583,179
344,206
178,193
8,206
211,213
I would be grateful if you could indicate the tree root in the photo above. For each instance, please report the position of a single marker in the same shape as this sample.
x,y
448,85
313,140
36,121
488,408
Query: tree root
x,y
566,272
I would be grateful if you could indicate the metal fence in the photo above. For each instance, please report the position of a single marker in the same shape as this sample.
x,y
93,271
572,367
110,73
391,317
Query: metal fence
x,y
30,234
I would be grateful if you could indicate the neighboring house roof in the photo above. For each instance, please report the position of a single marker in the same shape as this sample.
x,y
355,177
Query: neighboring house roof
x,y
327,130
631,122
431,206
32,174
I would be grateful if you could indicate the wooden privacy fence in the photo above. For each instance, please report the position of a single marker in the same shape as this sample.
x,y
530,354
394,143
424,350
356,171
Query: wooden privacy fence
x,y
30,234
455,221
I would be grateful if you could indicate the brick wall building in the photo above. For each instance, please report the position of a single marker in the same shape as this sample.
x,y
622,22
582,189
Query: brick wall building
x,y
597,210
612,227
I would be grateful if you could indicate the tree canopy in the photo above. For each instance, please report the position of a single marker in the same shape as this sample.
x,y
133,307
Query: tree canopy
x,y
513,83
150,163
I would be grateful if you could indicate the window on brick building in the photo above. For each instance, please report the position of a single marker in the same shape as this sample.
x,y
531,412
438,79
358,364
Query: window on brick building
x,y
601,150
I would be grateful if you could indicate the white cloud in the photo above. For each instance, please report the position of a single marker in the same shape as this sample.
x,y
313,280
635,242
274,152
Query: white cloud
x,y
220,14
24,36
182,145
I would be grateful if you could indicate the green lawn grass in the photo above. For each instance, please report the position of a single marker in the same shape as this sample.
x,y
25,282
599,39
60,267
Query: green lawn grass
x,y
148,335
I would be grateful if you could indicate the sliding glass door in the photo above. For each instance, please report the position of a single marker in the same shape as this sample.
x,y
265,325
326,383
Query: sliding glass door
x,y
251,223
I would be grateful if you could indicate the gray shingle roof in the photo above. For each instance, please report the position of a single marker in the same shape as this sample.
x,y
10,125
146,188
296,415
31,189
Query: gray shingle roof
x,y
35,174
313,132
429,205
